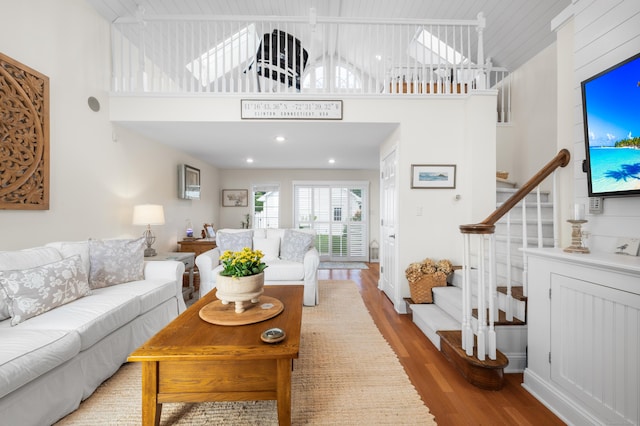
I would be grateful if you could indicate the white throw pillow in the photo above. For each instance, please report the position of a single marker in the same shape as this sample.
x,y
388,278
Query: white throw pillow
x,y
33,291
70,248
115,262
234,241
270,247
296,244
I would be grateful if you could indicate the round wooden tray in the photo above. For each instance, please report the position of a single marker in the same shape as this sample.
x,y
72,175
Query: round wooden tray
x,y
219,314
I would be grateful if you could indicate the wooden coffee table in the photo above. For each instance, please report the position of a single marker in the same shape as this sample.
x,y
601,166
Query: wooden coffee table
x,y
191,360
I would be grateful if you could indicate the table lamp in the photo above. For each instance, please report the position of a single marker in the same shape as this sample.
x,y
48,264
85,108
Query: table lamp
x,y
148,214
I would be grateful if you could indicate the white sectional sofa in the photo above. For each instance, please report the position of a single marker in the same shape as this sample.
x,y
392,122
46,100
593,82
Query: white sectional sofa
x,y
290,255
65,330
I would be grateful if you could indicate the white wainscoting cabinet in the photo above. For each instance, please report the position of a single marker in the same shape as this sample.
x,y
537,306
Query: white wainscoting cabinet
x,y
584,335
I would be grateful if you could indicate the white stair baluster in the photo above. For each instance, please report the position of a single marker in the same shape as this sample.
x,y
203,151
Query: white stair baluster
x,y
481,296
467,331
509,305
493,298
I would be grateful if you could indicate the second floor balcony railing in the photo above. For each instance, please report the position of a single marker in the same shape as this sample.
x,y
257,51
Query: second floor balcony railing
x,y
307,55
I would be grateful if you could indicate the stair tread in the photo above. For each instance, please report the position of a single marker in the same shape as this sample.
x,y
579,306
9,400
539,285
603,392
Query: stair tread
x,y
502,318
435,317
454,339
517,292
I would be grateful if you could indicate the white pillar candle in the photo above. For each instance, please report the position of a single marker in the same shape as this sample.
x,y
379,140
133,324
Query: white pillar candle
x,y
578,212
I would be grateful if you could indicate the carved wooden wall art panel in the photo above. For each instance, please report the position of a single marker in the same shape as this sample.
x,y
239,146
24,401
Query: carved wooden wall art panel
x,y
24,137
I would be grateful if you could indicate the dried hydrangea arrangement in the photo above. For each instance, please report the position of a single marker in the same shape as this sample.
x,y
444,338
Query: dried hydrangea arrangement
x,y
428,266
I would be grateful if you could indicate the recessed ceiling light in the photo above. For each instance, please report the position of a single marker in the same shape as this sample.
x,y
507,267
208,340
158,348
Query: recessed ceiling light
x,y
331,161
249,160
280,139
379,57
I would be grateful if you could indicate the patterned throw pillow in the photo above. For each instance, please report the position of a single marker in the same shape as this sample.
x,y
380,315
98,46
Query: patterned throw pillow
x,y
115,262
234,241
296,244
33,291
24,259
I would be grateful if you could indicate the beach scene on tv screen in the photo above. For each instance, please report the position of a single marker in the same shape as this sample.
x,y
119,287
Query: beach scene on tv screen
x,y
613,122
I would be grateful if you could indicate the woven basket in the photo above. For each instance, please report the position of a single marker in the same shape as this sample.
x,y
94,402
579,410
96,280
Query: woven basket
x,y
421,289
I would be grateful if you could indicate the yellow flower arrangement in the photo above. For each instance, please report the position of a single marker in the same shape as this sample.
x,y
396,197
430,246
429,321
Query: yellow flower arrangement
x,y
242,263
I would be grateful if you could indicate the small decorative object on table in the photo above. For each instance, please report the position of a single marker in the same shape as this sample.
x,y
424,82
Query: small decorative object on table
x,y
576,231
425,275
242,278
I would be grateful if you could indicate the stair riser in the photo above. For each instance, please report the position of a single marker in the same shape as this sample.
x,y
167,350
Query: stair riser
x,y
452,304
501,277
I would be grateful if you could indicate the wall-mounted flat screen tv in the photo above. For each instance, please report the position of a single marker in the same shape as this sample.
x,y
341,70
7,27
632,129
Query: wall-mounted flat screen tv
x,y
611,112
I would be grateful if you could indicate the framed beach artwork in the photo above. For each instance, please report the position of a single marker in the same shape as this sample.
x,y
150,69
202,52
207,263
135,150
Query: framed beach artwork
x,y
433,176
235,198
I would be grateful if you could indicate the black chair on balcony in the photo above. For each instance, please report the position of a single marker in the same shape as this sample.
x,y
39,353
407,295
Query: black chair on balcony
x,y
280,57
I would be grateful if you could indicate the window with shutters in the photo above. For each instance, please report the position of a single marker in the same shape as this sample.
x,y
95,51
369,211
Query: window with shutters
x,y
338,213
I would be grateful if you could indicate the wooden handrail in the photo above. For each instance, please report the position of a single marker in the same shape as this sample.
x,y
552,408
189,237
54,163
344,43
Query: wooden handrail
x,y
487,226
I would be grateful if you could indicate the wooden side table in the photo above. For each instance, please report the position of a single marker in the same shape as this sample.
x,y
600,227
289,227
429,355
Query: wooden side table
x,y
189,260
196,247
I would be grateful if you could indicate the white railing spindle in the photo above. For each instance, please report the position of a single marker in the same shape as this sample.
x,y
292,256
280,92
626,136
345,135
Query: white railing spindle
x,y
467,331
482,298
493,299
509,299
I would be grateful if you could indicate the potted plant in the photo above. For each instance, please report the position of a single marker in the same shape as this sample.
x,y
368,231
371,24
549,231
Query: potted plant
x,y
242,277
425,275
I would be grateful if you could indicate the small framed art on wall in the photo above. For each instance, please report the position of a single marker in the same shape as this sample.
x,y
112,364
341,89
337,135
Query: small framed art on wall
x,y
235,198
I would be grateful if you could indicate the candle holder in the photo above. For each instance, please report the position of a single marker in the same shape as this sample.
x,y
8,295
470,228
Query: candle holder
x,y
576,237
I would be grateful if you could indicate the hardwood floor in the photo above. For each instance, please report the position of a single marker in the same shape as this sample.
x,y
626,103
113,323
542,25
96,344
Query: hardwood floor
x,y
451,399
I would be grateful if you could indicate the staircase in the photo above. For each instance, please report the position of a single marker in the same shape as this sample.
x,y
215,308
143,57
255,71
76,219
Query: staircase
x,y
438,320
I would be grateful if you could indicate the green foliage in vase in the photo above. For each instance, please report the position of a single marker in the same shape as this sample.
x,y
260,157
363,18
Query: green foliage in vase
x,y
242,263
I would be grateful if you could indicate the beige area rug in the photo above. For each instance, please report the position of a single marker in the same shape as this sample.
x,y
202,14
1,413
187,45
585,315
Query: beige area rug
x,y
347,374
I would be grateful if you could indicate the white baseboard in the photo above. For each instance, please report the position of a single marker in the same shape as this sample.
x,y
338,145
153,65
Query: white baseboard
x,y
566,409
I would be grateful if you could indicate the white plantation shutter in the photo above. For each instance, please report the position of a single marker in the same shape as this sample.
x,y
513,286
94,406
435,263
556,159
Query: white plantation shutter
x,y
338,213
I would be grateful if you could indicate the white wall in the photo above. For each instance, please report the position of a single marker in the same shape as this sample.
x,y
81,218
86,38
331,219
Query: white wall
x,y
529,142
94,180
604,33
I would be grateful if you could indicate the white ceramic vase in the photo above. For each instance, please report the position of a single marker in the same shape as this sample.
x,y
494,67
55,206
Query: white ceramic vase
x,y
240,290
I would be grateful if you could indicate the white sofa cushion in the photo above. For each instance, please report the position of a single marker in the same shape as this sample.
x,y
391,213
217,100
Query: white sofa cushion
x,y
24,259
151,293
36,290
28,354
234,241
93,317
295,244
115,262
284,270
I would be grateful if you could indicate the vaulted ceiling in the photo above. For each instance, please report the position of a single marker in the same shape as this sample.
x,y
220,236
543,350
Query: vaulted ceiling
x,y
516,31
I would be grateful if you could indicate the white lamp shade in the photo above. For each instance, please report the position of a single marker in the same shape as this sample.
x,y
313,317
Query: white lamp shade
x,y
148,214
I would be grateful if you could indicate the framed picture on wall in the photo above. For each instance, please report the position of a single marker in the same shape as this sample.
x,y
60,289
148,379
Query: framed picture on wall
x,y
433,176
235,198
188,182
